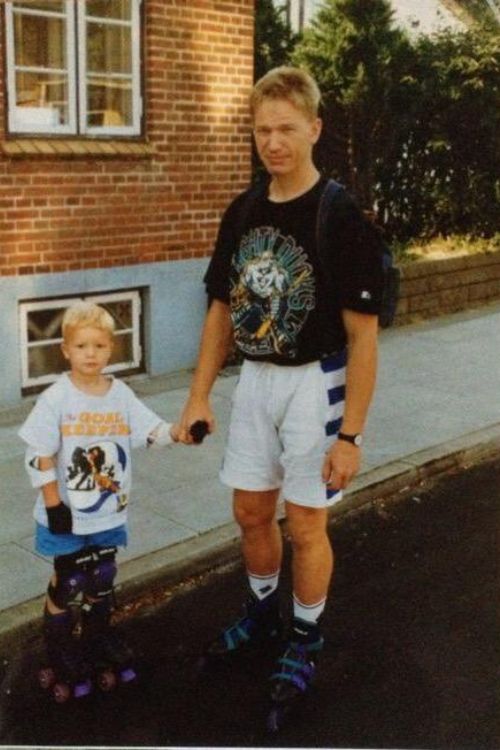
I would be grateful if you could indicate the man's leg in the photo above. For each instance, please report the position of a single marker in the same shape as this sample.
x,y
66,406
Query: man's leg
x,y
312,563
255,513
312,568
261,543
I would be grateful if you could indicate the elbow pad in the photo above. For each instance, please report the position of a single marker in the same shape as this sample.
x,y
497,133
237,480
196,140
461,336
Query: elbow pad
x,y
160,436
38,477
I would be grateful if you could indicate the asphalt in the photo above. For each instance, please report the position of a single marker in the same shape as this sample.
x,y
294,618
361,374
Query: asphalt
x,y
437,405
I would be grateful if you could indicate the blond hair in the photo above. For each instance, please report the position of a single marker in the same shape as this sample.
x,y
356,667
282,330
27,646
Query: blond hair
x,y
81,314
292,84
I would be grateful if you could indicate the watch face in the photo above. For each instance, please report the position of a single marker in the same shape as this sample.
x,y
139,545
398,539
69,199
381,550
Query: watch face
x,y
358,439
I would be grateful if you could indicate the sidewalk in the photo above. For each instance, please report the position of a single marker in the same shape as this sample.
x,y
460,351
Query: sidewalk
x,y
438,397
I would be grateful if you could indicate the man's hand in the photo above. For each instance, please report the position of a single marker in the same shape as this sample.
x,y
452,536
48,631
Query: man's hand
x,y
196,410
341,464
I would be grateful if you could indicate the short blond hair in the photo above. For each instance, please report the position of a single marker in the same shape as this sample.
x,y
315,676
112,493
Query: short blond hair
x,y
81,314
292,84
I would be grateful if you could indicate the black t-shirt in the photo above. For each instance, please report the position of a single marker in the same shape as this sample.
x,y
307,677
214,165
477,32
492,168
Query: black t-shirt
x,y
283,308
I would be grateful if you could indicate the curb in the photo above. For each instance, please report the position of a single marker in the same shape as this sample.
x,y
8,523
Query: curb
x,y
170,566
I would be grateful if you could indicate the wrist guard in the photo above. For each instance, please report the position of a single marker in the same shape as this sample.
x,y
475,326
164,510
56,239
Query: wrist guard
x,y
59,517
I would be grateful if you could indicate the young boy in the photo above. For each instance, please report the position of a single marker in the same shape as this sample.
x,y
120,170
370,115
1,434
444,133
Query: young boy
x,y
79,437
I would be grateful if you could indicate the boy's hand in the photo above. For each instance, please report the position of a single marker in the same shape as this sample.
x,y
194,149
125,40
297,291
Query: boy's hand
x,y
175,431
60,521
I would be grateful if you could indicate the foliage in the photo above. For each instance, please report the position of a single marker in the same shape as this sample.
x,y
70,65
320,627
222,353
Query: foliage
x,y
479,10
274,41
439,247
412,128
359,60
443,175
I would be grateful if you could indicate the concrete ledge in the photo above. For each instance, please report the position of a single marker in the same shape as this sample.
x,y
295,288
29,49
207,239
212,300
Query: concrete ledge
x,y
170,566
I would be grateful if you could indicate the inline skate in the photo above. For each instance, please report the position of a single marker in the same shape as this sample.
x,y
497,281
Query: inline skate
x,y
261,622
107,650
295,672
67,672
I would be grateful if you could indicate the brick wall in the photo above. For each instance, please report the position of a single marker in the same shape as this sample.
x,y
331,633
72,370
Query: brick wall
x,y
70,205
434,287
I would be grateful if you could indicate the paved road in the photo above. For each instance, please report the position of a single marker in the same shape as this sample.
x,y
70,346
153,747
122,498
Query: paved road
x,y
410,661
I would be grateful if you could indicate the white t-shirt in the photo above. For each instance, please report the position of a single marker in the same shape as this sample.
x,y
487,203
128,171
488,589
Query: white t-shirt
x,y
92,437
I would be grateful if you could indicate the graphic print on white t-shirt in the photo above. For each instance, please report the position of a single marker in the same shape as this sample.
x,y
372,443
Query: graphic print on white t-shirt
x,y
95,475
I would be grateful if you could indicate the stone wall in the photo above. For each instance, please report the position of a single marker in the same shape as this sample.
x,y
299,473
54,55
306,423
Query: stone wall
x,y
435,287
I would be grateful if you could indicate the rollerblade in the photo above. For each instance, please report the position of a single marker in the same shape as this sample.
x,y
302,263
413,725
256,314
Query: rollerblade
x,y
67,673
295,672
261,622
110,655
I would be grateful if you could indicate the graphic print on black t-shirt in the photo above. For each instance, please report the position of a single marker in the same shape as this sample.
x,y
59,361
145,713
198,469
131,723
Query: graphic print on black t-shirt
x,y
272,290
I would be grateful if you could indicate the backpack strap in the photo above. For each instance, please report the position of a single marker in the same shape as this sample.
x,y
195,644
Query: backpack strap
x,y
248,201
335,192
332,191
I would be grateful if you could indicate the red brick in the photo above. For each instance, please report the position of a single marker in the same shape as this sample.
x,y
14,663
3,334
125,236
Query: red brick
x,y
68,211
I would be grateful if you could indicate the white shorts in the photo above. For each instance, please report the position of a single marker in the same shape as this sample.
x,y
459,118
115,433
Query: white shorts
x,y
283,421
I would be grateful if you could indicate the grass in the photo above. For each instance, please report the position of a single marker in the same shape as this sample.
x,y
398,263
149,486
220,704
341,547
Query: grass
x,y
441,247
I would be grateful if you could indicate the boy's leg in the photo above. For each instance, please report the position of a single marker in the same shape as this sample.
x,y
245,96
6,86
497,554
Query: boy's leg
x,y
105,644
64,652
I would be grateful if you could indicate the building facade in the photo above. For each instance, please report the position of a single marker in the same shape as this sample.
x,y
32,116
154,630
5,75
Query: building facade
x,y
124,133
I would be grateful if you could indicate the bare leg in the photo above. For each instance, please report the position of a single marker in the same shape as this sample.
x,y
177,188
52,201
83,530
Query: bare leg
x,y
312,564
255,513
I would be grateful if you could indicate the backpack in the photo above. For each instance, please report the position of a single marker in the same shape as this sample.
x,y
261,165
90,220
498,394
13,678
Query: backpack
x,y
333,193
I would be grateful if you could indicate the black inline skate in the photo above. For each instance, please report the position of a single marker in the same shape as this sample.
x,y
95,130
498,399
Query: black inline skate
x,y
260,623
67,673
295,671
112,658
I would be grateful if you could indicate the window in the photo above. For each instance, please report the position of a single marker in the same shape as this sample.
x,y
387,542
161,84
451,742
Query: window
x,y
41,336
73,67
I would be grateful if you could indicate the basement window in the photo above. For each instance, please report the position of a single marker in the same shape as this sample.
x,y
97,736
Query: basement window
x,y
73,67
41,336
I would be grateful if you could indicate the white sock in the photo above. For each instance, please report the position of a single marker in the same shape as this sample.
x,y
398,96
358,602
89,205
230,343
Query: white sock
x,y
308,612
262,586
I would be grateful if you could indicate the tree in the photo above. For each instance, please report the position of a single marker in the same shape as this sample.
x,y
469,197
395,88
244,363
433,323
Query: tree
x,y
411,128
443,175
274,40
359,59
485,12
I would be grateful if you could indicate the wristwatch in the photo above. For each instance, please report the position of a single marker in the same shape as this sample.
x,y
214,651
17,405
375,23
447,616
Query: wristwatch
x,y
356,439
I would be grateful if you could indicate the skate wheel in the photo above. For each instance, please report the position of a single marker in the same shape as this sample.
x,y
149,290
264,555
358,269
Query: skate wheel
x,y
61,692
107,681
82,689
128,675
46,677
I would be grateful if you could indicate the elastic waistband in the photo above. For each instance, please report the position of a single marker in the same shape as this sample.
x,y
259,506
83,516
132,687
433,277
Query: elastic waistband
x,y
328,363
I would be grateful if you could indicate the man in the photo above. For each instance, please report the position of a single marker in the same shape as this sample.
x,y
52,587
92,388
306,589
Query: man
x,y
309,346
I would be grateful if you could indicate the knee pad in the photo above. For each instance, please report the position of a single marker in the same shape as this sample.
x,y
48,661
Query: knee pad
x,y
71,578
102,572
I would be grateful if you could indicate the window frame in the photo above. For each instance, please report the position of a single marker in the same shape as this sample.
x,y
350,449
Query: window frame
x,y
76,69
28,384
